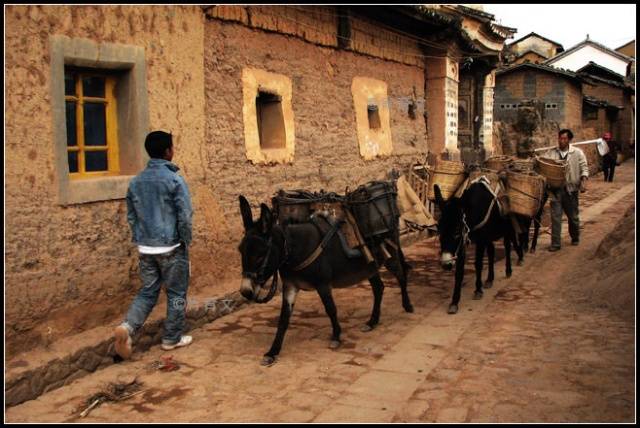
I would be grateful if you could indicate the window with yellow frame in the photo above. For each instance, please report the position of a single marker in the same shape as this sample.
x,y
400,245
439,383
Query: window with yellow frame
x,y
92,133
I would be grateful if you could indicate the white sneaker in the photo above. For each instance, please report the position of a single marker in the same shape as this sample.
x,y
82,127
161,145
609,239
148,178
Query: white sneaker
x,y
123,341
184,341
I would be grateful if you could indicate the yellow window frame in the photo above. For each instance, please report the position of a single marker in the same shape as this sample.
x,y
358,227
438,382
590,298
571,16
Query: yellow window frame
x,y
111,124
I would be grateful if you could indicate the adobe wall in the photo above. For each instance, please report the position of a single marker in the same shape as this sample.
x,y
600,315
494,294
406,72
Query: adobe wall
x,y
326,143
64,263
514,87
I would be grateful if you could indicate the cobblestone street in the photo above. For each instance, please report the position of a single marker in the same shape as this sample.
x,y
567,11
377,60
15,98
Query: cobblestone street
x,y
529,351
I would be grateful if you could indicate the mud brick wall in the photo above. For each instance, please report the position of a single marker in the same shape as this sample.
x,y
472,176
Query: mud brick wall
x,y
71,268
622,126
68,269
514,87
326,146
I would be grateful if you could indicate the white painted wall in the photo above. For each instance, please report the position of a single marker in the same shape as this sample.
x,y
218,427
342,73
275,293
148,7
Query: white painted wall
x,y
581,57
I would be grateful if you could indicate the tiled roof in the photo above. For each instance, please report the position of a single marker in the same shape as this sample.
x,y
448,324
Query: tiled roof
x,y
536,35
600,103
542,67
592,64
596,45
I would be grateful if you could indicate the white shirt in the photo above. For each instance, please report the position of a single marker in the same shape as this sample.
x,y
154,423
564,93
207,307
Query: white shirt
x,y
156,250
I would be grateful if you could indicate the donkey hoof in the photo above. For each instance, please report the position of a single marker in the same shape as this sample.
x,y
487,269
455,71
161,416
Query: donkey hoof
x,y
335,344
508,274
477,295
532,251
408,308
366,328
453,309
520,262
267,361
488,284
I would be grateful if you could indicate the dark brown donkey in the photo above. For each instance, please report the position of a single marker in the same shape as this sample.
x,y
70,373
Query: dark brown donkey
x,y
268,248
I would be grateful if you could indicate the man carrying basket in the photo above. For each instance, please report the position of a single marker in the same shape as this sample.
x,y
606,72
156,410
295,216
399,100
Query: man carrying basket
x,y
565,198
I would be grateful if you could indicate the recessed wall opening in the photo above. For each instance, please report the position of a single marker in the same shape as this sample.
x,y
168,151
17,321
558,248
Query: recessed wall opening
x,y
374,116
270,121
412,110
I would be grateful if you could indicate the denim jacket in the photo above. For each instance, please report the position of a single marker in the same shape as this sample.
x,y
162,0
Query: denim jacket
x,y
159,206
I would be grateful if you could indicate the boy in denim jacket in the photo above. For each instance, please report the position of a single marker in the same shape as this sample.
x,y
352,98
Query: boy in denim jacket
x,y
159,213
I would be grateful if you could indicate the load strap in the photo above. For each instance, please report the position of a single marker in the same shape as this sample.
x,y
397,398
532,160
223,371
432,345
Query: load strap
x,y
316,253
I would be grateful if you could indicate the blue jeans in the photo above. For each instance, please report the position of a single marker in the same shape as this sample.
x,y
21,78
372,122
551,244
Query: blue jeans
x,y
172,269
560,201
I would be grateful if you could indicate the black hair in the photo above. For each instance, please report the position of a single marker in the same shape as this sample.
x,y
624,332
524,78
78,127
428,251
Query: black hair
x,y
157,143
566,131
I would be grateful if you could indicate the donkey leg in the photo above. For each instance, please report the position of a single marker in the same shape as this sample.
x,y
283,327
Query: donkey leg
x,y
330,307
518,247
478,262
491,255
518,244
536,223
507,254
289,294
536,232
453,307
398,267
525,224
377,286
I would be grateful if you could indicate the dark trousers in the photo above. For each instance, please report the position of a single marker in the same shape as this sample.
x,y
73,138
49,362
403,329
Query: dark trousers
x,y
563,201
608,167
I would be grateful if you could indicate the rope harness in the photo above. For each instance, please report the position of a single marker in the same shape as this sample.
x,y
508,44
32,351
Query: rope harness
x,y
485,181
259,274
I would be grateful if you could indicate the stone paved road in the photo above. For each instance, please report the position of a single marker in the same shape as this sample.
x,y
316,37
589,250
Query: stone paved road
x,y
523,353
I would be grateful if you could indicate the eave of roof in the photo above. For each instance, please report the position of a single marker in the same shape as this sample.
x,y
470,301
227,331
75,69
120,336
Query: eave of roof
x,y
615,83
531,34
595,45
542,67
476,13
592,64
600,103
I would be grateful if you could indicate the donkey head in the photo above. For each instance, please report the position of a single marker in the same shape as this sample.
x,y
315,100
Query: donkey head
x,y
449,228
260,257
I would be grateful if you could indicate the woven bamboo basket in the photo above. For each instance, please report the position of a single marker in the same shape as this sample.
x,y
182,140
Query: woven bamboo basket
x,y
525,191
553,170
491,174
498,163
448,175
522,165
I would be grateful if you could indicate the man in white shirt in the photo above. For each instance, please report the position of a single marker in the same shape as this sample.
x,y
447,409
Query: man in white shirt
x,y
566,198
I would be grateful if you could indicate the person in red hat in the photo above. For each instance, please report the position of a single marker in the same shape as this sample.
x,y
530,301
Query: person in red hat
x,y
609,160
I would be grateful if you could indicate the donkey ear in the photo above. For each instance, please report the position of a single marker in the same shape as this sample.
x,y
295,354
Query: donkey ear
x,y
266,219
439,198
245,210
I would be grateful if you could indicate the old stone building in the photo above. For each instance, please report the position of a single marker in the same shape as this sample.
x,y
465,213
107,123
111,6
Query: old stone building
x,y
257,98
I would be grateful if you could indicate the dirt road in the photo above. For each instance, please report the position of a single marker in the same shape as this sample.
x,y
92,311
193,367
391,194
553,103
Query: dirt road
x,y
554,343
